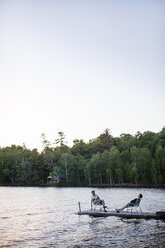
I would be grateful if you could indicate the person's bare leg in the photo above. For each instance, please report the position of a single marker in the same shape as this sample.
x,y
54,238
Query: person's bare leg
x,y
120,209
103,203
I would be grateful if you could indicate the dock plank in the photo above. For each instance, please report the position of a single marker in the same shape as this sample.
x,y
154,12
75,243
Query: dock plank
x,y
124,214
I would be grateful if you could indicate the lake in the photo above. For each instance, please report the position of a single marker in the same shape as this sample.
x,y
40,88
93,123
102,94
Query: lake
x,y
47,217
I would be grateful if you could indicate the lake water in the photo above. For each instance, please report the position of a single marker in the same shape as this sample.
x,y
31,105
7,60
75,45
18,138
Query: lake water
x,y
47,217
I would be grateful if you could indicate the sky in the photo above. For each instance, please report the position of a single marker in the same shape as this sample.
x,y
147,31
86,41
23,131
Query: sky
x,y
80,66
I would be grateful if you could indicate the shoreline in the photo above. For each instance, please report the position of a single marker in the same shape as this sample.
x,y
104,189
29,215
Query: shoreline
x,y
87,186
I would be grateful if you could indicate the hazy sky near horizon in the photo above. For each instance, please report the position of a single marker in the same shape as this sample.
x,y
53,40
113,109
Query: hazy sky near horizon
x,y
80,66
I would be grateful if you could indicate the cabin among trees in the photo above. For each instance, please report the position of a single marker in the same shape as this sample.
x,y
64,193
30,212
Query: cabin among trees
x,y
106,160
51,179
55,179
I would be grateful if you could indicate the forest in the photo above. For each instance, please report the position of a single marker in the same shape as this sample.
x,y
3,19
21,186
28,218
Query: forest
x,y
106,160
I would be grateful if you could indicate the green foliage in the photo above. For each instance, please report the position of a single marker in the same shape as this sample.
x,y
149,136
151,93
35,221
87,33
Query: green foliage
x,y
160,163
138,159
144,163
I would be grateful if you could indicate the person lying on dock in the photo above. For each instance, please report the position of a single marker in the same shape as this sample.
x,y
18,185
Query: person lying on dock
x,y
97,201
130,204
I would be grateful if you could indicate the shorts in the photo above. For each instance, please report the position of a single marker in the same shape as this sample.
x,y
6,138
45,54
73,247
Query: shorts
x,y
129,205
98,203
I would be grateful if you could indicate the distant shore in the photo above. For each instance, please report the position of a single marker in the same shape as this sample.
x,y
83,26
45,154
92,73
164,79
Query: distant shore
x,y
86,186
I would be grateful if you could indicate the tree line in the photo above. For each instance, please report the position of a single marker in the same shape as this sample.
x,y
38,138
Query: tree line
x,y
105,160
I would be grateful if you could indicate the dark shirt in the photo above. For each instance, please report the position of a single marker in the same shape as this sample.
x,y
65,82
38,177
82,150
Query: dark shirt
x,y
133,201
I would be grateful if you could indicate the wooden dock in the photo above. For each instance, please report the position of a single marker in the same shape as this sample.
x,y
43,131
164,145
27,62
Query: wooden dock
x,y
124,214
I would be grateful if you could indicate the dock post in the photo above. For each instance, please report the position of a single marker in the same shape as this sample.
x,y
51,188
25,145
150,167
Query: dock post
x,y
79,206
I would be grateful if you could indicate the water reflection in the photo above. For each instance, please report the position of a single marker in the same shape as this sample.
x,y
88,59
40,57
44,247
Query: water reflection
x,y
45,217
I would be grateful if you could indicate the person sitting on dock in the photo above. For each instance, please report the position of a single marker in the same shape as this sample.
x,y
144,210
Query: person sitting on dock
x,y
97,201
130,204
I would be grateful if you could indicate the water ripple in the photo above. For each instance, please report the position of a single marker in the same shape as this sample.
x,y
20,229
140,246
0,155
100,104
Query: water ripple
x,y
33,217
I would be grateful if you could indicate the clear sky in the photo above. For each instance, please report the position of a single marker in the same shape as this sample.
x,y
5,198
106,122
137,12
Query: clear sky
x,y
80,66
